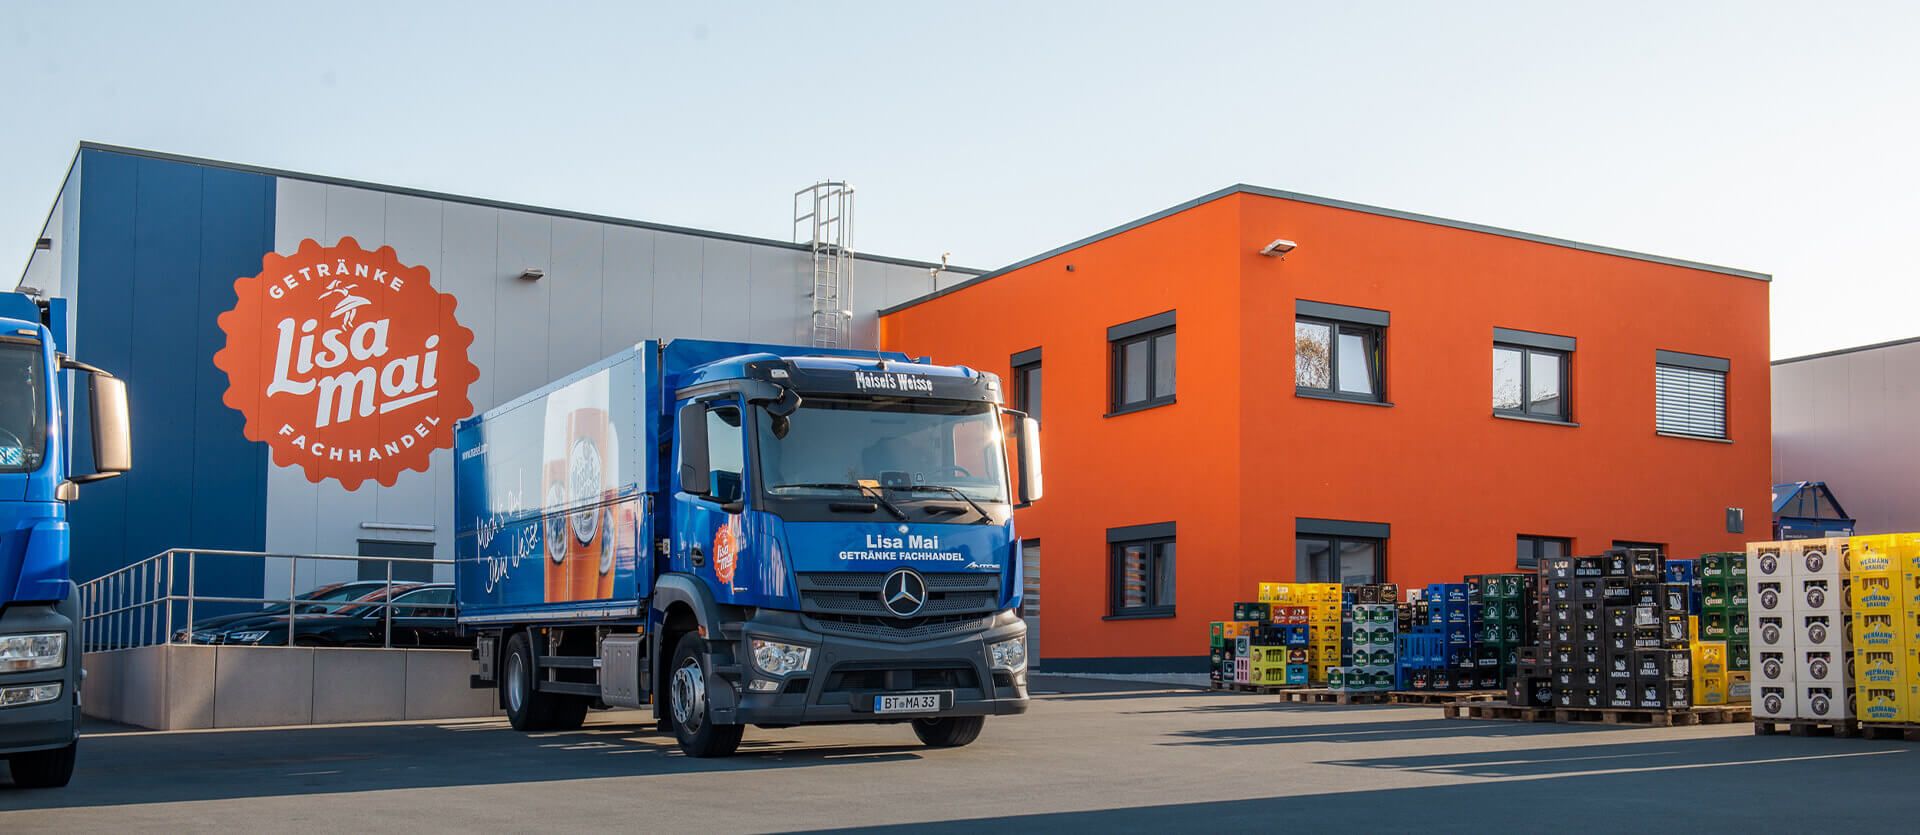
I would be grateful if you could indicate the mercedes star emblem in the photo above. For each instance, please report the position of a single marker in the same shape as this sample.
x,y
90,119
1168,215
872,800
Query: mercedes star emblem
x,y
904,592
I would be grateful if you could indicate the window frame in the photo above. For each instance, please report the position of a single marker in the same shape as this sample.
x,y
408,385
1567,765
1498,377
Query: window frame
x,y
1341,320
1156,538
1536,541
1695,364
1527,353
1019,366
1147,330
1335,532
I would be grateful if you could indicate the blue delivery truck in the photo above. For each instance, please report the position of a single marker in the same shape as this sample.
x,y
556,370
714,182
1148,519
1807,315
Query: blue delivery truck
x,y
39,607
736,534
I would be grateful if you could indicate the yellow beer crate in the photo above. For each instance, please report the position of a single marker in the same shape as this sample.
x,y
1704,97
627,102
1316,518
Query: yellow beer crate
x,y
1710,657
1877,554
1880,666
1881,703
1739,687
1710,688
1877,592
1275,593
1879,630
1267,656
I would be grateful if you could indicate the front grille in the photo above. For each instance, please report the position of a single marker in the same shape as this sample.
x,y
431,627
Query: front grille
x,y
857,595
896,628
951,678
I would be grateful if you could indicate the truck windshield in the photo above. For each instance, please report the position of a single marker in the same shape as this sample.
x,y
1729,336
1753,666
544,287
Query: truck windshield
x,y
22,438
833,444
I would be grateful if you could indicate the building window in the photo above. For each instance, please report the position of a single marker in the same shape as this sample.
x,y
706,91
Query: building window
x,y
1628,543
1329,551
1530,374
1143,363
1142,573
1339,351
1528,550
1026,382
1690,395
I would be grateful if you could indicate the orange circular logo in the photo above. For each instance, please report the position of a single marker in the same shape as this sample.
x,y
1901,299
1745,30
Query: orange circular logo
x,y
346,363
726,549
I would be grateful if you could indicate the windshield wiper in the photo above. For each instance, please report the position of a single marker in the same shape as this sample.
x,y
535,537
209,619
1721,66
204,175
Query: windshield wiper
x,y
954,491
876,495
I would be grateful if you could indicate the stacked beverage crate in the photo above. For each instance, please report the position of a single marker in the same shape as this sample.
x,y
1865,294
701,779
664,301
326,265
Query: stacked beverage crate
x,y
1614,635
1369,626
1438,652
1885,599
1320,637
1504,624
1802,629
1724,629
1231,657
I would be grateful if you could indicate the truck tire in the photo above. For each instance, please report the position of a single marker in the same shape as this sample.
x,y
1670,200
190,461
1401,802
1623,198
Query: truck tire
x,y
951,732
688,707
528,709
44,769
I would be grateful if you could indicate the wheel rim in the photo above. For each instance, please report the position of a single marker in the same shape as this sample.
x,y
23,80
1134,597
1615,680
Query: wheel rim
x,y
516,682
689,696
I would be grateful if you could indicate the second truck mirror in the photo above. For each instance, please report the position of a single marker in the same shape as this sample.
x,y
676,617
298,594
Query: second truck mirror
x,y
694,478
1029,459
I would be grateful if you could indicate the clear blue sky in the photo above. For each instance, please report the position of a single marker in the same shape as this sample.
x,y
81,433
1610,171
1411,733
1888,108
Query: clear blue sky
x,y
1771,136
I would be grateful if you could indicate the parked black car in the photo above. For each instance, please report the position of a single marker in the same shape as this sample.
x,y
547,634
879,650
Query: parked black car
x,y
423,616
328,598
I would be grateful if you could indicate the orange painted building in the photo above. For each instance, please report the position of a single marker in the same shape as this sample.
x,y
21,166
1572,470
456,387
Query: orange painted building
x,y
1266,386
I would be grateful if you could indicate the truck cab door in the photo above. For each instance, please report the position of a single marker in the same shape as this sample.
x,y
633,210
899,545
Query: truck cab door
x,y
707,536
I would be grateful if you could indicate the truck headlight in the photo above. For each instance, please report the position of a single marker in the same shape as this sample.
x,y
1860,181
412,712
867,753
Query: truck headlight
x,y
1009,655
39,651
30,694
246,637
778,659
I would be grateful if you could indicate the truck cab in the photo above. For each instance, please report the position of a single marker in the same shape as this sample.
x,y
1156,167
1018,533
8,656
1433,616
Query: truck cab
x,y
822,536
39,611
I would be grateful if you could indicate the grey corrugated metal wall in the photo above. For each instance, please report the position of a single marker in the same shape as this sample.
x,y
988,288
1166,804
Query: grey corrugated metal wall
x,y
1849,419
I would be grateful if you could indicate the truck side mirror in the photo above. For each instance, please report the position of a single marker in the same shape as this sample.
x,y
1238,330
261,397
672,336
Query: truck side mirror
x,y
694,475
112,429
1030,486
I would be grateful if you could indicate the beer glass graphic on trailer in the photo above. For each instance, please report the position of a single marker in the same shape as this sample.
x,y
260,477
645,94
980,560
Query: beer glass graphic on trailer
x,y
587,465
554,538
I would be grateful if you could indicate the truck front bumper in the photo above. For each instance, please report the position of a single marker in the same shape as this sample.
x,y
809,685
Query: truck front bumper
x,y
53,724
848,672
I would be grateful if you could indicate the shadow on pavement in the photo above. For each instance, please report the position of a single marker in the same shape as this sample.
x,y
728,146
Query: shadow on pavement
x,y
1398,731
129,767
1713,784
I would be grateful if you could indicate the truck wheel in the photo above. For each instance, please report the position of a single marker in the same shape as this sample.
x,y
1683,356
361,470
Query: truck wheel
x,y
528,709
44,769
949,733
689,708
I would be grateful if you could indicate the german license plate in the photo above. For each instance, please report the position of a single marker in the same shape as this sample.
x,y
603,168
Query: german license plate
x,y
907,703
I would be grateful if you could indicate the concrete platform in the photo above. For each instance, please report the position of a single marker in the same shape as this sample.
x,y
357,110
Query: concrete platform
x,y
181,687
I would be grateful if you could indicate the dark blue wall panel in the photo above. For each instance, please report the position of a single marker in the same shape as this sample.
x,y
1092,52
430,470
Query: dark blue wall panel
x,y
160,244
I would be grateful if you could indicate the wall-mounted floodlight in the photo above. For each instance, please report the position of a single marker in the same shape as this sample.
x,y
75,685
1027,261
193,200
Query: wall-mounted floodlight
x,y
532,274
1279,248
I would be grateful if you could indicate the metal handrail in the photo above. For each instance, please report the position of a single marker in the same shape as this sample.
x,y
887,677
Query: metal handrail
x,y
126,607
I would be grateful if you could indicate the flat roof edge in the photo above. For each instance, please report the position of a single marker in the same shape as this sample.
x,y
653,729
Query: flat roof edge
x,y
1895,343
1500,231
495,204
1262,191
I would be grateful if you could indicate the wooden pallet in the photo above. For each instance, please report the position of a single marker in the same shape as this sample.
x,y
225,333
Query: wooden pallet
x,y
1656,718
1262,689
1323,696
1443,697
1497,710
1842,728
1908,731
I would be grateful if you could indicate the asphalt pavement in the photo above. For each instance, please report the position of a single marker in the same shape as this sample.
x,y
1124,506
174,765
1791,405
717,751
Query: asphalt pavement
x,y
1090,756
